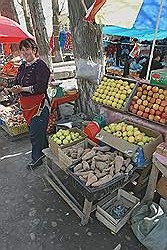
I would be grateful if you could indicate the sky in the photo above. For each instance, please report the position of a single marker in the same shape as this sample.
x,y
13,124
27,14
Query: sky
x,y
47,9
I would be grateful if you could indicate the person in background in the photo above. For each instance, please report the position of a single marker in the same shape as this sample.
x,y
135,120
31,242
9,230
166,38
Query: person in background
x,y
31,83
156,64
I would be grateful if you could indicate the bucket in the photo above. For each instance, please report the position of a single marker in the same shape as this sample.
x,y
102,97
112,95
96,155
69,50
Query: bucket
x,y
91,130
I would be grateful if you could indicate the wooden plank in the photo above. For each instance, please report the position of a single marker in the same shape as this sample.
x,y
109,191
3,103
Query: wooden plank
x,y
86,211
65,197
149,195
160,166
64,188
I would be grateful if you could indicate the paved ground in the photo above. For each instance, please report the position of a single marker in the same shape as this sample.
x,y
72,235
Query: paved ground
x,y
34,217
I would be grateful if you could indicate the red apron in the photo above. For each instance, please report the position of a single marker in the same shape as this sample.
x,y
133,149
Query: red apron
x,y
30,106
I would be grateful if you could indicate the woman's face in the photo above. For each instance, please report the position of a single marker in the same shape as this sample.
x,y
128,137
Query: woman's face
x,y
28,54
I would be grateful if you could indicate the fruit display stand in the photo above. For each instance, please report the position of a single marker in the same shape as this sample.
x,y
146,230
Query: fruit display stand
x,y
150,102
114,93
12,122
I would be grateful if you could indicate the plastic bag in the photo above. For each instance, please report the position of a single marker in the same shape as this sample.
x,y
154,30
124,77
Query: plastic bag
x,y
149,224
88,70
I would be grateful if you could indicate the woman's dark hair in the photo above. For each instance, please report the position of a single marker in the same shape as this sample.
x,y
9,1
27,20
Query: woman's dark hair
x,y
29,43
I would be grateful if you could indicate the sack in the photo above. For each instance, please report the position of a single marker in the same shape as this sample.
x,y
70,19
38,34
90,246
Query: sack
x,y
149,224
88,70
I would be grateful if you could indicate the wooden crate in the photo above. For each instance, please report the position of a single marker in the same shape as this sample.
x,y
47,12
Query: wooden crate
x,y
122,198
67,161
55,147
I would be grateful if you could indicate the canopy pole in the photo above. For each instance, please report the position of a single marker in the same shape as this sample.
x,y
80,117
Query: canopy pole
x,y
155,36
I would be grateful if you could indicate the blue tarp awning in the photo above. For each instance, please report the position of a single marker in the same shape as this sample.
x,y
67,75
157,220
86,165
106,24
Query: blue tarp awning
x,y
144,34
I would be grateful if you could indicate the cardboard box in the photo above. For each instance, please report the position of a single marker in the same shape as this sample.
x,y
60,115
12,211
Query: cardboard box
x,y
103,212
66,160
55,147
129,148
162,187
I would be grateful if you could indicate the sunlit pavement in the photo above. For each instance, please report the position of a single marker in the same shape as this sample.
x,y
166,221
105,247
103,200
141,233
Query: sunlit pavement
x,y
34,217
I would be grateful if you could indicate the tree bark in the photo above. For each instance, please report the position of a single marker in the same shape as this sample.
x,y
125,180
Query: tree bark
x,y
87,41
38,21
7,8
57,54
27,16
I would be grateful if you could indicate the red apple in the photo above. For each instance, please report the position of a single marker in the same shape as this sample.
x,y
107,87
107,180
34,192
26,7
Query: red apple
x,y
161,108
131,107
152,100
139,89
145,115
162,121
156,95
164,115
152,111
164,104
157,118
148,98
155,89
143,97
160,91
157,112
158,101
136,106
145,103
151,117
133,102
135,98
150,93
144,86
150,105
149,87
139,101
145,92
156,106
161,96
139,94
134,111
139,113
147,110
141,108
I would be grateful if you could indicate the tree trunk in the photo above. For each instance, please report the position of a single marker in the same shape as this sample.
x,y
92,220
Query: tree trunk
x,y
57,55
27,16
38,21
7,8
87,41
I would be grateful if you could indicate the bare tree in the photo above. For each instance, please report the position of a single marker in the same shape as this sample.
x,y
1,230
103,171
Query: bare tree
x,y
38,21
7,8
27,15
57,55
87,41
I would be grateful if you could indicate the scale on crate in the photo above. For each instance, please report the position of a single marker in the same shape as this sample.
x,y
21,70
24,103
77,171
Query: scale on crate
x,y
55,90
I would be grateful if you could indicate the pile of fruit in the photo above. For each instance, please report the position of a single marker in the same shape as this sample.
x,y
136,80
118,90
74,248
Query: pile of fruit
x,y
100,165
113,93
150,102
66,136
128,133
51,123
13,119
17,125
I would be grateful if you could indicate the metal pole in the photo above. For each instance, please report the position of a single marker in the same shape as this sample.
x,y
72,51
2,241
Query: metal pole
x,y
155,36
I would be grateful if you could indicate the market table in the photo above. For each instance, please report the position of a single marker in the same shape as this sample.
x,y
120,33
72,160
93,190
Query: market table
x,y
83,211
56,101
157,167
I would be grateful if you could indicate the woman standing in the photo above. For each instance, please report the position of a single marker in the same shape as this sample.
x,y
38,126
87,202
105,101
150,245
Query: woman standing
x,y
32,82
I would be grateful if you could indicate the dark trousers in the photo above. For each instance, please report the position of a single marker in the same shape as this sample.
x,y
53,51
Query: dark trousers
x,y
38,133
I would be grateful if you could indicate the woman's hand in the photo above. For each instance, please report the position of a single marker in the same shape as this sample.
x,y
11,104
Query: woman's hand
x,y
16,89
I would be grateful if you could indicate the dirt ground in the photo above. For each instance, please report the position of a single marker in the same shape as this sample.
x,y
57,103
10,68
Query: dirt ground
x,y
34,217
